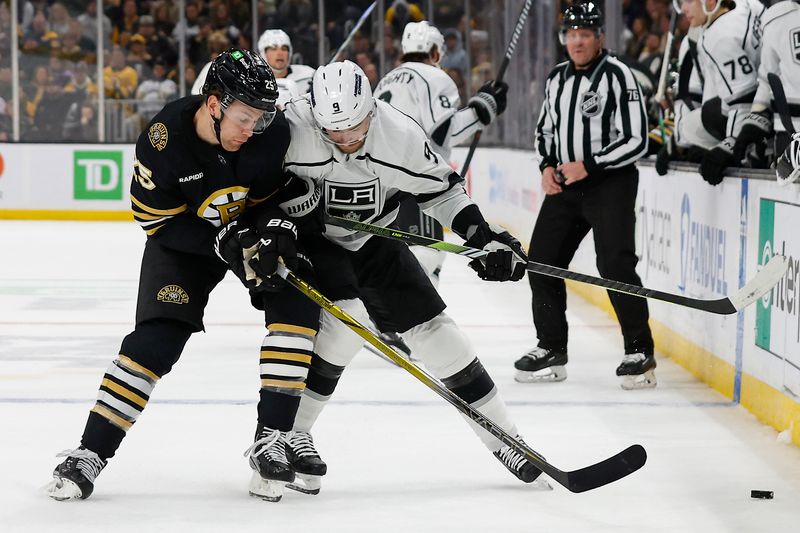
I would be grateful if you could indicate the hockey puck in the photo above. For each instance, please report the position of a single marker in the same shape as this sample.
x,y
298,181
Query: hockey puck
x,y
761,494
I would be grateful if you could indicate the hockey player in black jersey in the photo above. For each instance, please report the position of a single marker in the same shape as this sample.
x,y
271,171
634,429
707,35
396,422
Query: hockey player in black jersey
x,y
208,178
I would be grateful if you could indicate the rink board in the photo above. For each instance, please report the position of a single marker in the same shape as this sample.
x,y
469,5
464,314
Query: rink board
x,y
692,239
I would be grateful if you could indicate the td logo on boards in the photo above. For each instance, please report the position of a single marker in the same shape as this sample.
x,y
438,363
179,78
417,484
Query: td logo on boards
x,y
97,175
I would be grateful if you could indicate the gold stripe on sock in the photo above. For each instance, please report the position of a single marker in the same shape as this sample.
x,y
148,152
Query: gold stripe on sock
x,y
286,356
111,417
289,328
119,389
133,365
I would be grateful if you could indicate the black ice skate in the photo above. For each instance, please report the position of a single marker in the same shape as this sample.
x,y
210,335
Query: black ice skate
x,y
637,371
518,464
271,470
540,365
74,478
306,462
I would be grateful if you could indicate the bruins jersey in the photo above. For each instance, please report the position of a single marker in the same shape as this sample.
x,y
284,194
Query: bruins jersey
x,y
183,189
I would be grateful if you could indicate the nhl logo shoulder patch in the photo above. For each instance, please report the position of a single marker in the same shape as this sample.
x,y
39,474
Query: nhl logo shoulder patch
x,y
591,104
158,136
173,294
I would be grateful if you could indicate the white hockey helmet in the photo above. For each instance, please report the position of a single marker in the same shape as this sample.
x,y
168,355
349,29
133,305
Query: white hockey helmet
x,y
341,97
274,39
421,37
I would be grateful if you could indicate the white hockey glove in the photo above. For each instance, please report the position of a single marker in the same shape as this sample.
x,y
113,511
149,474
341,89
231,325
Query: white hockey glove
x,y
506,259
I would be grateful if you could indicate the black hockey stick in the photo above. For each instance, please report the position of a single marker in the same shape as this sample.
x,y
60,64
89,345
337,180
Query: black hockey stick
x,y
591,477
781,105
512,45
760,284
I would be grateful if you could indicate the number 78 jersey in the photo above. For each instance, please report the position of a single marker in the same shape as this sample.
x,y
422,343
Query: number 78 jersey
x,y
729,55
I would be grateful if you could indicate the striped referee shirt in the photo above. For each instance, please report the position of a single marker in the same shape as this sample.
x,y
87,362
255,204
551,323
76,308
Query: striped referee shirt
x,y
594,115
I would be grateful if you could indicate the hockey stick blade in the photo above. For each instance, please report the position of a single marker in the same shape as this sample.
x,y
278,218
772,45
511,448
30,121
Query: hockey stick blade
x,y
767,277
588,478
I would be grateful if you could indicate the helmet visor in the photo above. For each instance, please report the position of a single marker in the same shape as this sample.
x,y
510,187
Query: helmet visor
x,y
249,118
347,137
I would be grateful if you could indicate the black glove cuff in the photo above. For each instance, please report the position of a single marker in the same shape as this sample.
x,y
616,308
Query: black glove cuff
x,y
467,218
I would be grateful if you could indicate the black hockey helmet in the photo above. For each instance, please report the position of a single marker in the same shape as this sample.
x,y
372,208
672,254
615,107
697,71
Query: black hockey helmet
x,y
581,15
239,74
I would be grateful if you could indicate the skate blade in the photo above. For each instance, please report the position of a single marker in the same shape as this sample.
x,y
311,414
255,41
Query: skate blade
x,y
640,381
61,490
269,490
306,484
551,374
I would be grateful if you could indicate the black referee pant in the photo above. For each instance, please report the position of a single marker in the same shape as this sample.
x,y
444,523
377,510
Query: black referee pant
x,y
608,208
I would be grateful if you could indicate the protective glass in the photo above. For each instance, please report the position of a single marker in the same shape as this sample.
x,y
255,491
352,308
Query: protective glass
x,y
347,137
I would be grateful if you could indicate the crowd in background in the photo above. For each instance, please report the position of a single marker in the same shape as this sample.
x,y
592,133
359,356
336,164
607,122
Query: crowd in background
x,y
58,51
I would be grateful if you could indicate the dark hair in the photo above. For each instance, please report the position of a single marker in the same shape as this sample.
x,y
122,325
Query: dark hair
x,y
415,57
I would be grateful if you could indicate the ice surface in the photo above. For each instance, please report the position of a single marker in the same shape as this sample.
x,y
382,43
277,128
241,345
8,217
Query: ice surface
x,y
399,458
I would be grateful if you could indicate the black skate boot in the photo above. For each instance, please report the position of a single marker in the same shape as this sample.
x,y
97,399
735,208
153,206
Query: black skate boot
x,y
518,464
271,470
637,371
306,462
541,364
74,478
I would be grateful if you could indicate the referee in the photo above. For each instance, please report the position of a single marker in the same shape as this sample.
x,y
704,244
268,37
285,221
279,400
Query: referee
x,y
591,130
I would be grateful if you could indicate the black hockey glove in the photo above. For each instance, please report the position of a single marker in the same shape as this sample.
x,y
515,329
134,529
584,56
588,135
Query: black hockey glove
x,y
277,242
490,101
662,161
236,244
716,160
506,259
755,127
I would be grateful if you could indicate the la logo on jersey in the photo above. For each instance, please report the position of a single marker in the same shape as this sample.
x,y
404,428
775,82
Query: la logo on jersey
x,y
796,45
358,201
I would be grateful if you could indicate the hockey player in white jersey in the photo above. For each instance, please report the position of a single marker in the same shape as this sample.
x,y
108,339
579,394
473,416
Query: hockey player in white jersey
x,y
728,53
365,156
276,49
422,90
780,54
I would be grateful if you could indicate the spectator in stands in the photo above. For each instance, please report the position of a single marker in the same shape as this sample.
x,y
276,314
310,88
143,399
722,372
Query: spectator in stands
x,y
189,27
80,82
198,47
652,54
636,37
455,57
34,39
163,18
74,46
127,25
222,22
59,18
80,124
120,80
33,92
157,43
88,21
51,112
138,57
401,13
155,91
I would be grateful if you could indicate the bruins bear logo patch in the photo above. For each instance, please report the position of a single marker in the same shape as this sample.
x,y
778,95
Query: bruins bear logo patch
x,y
158,136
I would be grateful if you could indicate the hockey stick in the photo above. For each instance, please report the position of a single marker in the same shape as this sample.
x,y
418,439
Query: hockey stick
x,y
781,105
512,45
591,477
662,78
352,33
760,284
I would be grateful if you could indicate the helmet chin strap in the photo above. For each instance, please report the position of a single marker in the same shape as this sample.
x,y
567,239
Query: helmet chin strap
x,y
710,14
218,125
